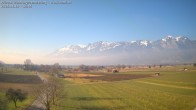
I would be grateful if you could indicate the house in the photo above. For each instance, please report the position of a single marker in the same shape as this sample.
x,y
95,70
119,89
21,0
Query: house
x,y
115,71
185,69
156,74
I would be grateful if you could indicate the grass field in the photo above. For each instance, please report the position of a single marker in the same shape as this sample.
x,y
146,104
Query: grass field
x,y
172,90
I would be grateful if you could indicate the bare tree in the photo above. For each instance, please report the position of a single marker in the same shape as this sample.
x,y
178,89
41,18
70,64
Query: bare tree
x,y
28,65
50,93
83,68
57,90
44,95
56,68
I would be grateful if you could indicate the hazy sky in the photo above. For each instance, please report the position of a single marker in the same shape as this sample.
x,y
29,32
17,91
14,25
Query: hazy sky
x,y
40,30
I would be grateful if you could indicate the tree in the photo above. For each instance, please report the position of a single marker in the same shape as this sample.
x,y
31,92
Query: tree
x,y
28,65
50,93
57,90
56,68
15,95
83,68
44,95
44,68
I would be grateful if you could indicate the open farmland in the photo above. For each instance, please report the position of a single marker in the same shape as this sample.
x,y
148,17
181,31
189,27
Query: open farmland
x,y
11,78
117,77
17,79
172,90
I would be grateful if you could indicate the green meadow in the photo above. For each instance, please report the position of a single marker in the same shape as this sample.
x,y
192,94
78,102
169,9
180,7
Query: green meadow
x,y
172,90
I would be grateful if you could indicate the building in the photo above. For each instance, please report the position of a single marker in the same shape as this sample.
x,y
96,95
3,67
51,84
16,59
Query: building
x,y
60,75
156,74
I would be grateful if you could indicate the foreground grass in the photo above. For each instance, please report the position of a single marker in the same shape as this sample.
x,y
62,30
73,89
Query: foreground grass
x,y
9,105
170,91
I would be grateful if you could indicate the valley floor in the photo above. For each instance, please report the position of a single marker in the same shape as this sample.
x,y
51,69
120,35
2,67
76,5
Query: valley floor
x,y
170,91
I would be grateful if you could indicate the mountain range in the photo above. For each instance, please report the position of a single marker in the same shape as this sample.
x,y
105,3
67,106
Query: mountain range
x,y
166,50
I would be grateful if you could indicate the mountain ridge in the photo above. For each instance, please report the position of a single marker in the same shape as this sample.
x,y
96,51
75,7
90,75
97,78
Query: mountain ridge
x,y
166,50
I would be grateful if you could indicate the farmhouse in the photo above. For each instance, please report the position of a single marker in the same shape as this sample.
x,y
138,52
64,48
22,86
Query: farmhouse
x,y
115,71
156,74
185,69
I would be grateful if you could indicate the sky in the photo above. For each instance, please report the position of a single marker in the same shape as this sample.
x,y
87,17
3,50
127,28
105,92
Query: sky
x,y
40,30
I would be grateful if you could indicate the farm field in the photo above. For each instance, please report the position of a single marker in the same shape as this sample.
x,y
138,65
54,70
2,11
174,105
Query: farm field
x,y
17,79
172,90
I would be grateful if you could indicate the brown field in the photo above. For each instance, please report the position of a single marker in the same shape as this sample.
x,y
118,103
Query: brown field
x,y
27,79
18,81
81,75
25,87
107,77
118,77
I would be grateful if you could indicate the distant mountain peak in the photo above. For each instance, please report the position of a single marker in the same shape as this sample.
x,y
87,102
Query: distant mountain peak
x,y
144,42
168,49
168,42
181,38
169,37
81,45
133,42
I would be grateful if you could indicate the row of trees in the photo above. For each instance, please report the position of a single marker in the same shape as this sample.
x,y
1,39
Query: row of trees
x,y
29,66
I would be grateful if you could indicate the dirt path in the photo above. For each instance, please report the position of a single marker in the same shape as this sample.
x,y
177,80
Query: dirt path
x,y
36,105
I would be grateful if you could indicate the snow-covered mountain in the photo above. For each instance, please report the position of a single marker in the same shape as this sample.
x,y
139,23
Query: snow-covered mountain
x,y
167,50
